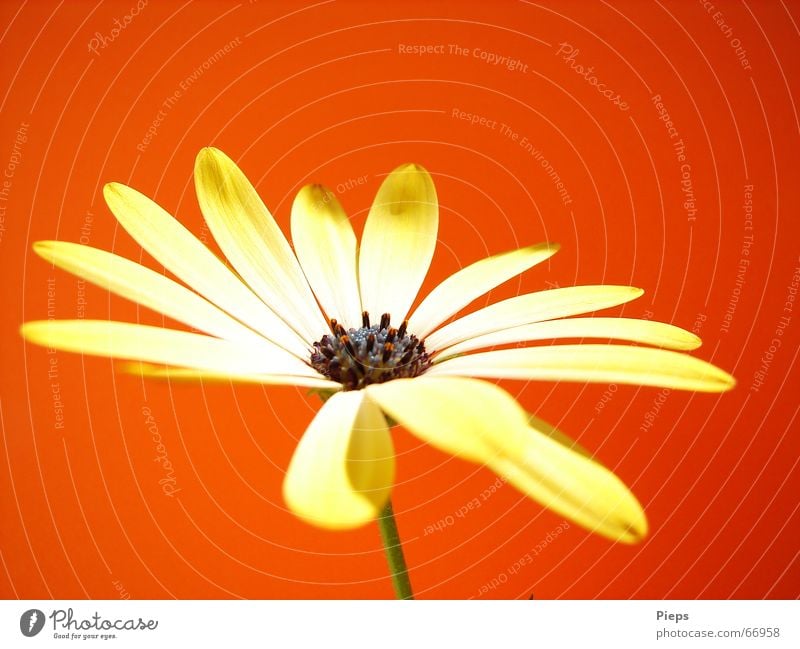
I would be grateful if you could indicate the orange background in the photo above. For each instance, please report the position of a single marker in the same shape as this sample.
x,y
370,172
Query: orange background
x,y
321,92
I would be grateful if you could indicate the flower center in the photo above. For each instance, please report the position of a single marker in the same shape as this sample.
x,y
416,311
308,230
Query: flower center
x,y
372,354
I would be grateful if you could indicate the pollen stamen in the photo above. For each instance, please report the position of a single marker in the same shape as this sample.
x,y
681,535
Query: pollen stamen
x,y
345,340
371,354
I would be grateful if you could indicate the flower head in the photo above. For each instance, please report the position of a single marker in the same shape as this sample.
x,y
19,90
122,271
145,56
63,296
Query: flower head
x,y
336,317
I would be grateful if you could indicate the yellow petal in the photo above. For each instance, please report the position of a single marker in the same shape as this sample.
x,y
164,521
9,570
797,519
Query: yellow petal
x,y
188,374
451,414
529,308
658,334
480,422
156,345
342,472
575,486
553,433
592,363
469,283
398,242
253,242
183,254
326,247
146,287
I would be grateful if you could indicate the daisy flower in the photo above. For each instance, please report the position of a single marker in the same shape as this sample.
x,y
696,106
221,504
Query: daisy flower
x,y
327,314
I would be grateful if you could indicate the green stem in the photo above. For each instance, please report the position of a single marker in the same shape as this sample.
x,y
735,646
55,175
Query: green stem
x,y
394,553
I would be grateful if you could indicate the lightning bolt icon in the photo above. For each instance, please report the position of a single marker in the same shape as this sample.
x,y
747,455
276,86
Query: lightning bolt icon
x,y
32,620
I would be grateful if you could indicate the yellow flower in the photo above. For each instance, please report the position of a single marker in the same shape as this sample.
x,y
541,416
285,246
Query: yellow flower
x,y
333,317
